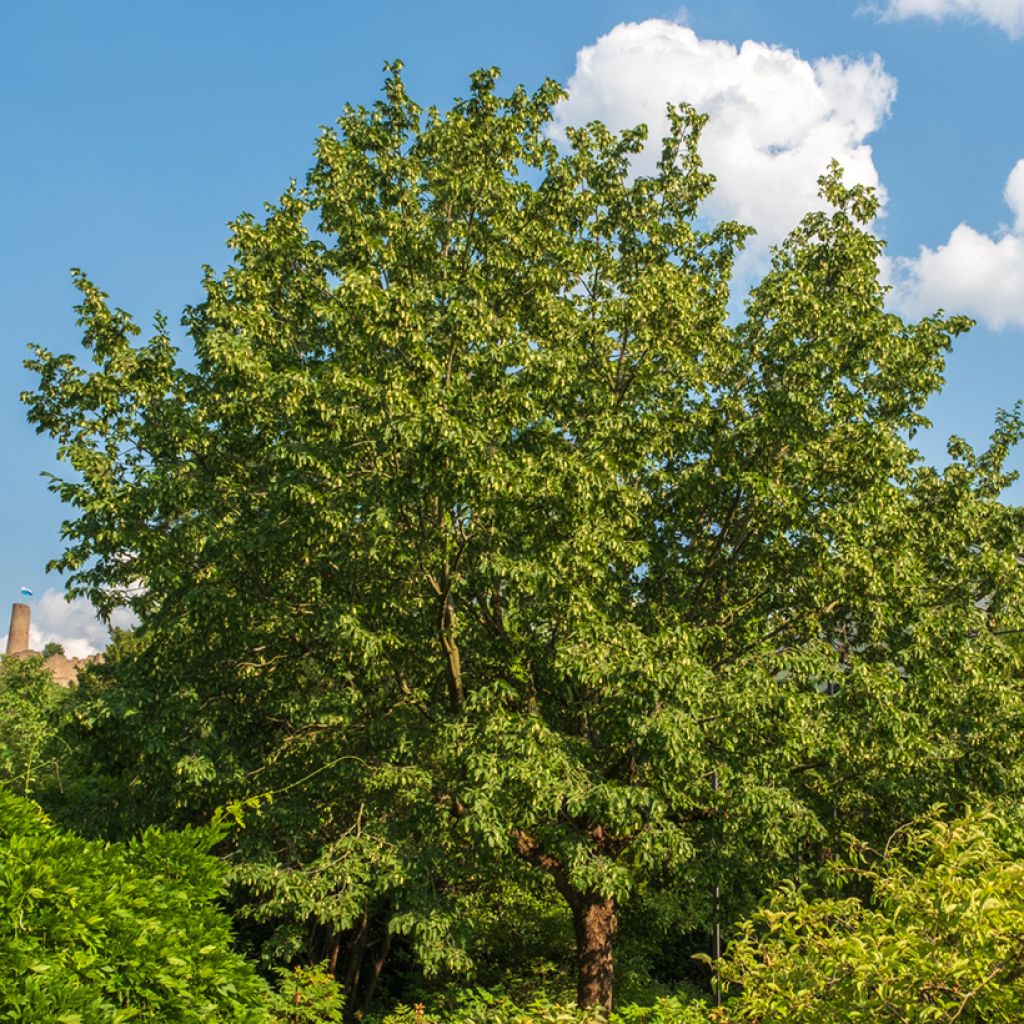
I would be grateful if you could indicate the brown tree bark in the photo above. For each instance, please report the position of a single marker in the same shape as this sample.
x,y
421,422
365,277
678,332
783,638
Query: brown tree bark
x,y
378,964
595,924
357,960
349,978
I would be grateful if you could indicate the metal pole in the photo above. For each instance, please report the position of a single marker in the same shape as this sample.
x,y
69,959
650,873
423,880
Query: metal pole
x,y
716,934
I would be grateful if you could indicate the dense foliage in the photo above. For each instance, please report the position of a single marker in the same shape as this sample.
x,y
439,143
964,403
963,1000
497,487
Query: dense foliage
x,y
488,561
479,1006
92,932
936,935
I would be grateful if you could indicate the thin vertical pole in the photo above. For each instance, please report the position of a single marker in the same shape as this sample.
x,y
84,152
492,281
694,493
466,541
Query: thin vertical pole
x,y
830,691
716,934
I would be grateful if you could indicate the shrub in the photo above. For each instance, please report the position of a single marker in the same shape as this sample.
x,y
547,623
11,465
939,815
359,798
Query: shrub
x,y
307,996
930,931
92,932
480,1006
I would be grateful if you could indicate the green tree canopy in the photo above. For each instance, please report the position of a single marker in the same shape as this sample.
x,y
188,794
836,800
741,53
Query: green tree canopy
x,y
476,528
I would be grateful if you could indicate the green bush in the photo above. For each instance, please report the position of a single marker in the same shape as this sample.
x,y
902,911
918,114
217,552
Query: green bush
x,y
307,996
930,931
92,932
664,1010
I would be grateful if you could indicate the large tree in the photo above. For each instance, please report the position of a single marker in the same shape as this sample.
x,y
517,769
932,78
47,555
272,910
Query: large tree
x,y
478,526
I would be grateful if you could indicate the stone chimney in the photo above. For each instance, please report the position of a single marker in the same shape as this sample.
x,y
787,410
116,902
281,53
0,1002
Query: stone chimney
x,y
17,638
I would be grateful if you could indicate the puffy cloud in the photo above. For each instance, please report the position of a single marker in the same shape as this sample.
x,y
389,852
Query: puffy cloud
x,y
776,119
974,273
1005,14
71,623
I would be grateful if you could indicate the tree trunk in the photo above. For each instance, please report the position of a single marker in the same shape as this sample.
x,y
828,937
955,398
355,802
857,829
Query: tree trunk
x,y
354,958
595,923
371,985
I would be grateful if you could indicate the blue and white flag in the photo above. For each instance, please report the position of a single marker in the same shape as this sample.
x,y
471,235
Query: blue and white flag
x,y
26,592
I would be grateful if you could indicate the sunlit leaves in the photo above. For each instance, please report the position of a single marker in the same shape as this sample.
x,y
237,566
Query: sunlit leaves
x,y
931,930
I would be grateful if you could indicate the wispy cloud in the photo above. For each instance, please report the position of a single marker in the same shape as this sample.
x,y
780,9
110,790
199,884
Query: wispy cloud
x,y
1007,15
73,624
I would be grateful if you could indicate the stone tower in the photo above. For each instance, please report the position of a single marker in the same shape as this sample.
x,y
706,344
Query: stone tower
x,y
17,638
64,670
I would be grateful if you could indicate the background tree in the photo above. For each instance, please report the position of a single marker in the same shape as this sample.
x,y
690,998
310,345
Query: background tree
x,y
478,532
30,718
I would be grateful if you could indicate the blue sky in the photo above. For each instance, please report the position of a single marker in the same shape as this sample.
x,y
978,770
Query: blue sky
x,y
133,132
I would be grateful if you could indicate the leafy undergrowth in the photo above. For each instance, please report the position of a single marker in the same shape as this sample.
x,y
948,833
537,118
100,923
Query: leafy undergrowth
x,y
479,1006
306,996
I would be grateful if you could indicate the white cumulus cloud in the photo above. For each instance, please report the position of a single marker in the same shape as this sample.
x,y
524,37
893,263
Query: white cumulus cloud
x,y
1007,15
776,119
71,623
973,273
